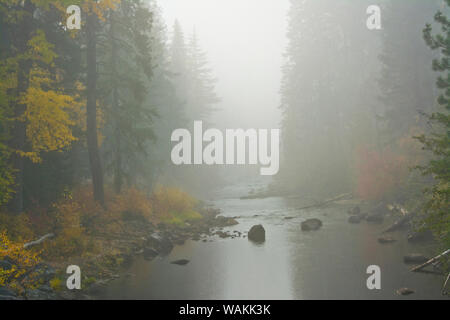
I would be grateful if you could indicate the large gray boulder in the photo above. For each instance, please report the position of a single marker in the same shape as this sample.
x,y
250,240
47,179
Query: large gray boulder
x,y
257,234
311,224
160,243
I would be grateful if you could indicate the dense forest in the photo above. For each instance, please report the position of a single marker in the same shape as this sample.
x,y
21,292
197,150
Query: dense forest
x,y
86,116
367,133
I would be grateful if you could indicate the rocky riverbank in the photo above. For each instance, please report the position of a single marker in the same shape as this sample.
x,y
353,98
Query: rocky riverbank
x,y
143,239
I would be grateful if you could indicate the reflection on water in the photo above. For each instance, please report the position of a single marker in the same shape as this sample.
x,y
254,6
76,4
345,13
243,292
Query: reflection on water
x,y
326,264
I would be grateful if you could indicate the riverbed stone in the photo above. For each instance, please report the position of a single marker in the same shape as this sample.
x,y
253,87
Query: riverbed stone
x,y
405,291
149,253
160,243
180,262
257,233
44,272
354,219
311,224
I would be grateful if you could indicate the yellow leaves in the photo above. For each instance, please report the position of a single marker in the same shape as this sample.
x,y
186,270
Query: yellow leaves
x,y
48,116
100,7
21,259
48,123
40,49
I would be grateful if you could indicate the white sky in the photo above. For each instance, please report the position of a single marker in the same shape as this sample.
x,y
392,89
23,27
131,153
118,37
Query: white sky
x,y
244,41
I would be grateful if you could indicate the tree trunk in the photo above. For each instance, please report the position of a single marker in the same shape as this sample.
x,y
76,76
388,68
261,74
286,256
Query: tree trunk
x,y
117,156
91,109
18,133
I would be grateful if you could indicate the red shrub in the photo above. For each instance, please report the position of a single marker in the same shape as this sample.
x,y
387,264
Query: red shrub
x,y
378,173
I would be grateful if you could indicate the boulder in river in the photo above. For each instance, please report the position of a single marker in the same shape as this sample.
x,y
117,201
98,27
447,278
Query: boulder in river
x,y
354,219
160,243
257,233
311,224
149,253
405,291
415,258
181,262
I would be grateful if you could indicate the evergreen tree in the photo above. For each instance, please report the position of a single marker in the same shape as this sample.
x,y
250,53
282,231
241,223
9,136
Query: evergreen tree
x,y
201,94
438,143
125,75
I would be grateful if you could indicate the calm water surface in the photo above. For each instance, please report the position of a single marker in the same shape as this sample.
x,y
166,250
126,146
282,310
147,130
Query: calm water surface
x,y
326,264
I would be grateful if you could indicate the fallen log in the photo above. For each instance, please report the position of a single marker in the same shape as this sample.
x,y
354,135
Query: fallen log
x,y
431,261
444,292
322,203
38,241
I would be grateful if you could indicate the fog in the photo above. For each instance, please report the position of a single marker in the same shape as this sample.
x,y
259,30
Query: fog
x,y
244,42
224,149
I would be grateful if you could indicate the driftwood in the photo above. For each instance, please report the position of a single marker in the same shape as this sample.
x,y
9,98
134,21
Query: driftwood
x,y
431,261
444,292
38,241
322,203
398,224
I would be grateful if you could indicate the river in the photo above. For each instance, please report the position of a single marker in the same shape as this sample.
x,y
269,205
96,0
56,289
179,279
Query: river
x,y
329,263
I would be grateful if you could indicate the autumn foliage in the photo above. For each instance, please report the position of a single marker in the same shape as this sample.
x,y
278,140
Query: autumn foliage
x,y
22,260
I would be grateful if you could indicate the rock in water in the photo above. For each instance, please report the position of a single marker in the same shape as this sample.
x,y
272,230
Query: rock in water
x,y
311,224
181,262
160,243
149,253
404,291
257,233
385,240
414,258
354,219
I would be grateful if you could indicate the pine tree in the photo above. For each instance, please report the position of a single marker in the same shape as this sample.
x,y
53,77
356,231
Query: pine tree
x,y
125,74
438,143
95,11
201,95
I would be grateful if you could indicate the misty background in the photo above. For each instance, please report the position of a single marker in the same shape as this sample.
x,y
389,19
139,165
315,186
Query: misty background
x,y
244,41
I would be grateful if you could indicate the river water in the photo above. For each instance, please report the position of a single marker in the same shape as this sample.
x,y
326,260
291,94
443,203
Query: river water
x,y
329,263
